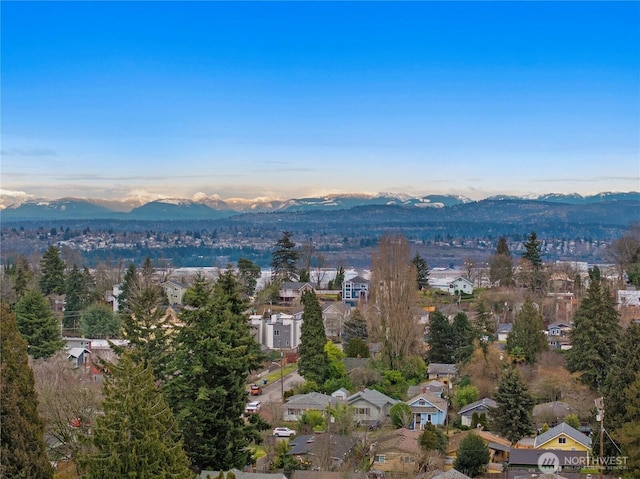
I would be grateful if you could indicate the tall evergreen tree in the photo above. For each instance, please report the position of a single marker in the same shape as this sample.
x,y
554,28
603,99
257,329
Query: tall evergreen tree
x,y
209,370
145,322
37,325
531,272
339,279
532,250
484,323
22,446
313,362
248,274
355,327
19,272
473,455
422,271
512,417
138,435
130,284
501,265
528,333
440,339
355,335
625,365
99,321
52,272
77,296
628,434
284,259
595,334
463,336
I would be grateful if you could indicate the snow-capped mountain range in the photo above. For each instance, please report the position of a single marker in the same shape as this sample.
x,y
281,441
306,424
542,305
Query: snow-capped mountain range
x,y
19,205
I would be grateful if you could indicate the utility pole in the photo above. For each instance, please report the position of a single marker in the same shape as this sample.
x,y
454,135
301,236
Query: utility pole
x,y
600,417
282,357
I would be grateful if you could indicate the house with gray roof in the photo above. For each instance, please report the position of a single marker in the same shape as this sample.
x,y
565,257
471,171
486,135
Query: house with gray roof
x,y
523,461
562,436
80,357
242,475
324,451
300,403
442,371
426,408
434,387
370,405
334,315
341,394
450,474
551,413
502,331
483,406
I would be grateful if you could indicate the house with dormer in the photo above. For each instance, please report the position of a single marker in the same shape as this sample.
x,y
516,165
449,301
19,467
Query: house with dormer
x,y
427,408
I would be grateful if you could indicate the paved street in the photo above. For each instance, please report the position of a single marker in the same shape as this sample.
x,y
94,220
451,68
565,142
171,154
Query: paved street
x,y
273,392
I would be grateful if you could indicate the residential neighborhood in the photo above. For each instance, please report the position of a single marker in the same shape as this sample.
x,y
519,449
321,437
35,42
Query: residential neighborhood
x,y
476,363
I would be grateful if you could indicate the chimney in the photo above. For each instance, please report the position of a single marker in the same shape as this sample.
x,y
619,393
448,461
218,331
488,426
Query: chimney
x,y
424,389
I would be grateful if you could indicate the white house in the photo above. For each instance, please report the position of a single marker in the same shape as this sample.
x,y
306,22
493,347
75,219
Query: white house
x,y
628,297
460,285
503,331
280,331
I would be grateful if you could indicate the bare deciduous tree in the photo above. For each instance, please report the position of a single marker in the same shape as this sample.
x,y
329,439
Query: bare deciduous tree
x,y
393,291
623,250
68,400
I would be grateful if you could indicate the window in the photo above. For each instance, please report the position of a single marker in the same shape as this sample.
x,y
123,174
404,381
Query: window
x,y
379,458
276,332
409,459
562,440
429,418
362,411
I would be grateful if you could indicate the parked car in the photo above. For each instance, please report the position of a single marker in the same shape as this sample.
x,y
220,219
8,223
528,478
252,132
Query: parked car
x,y
252,407
255,390
283,432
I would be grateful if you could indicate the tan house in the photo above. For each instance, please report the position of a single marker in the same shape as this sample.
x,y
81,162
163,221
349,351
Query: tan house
x,y
334,315
499,448
175,291
397,451
291,292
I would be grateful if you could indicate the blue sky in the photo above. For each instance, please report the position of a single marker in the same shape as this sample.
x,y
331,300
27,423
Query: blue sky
x,y
239,99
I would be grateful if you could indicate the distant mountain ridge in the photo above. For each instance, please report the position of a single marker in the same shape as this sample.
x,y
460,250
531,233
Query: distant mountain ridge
x,y
203,207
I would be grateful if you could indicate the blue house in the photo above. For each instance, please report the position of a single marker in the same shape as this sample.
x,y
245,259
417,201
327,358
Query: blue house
x,y
355,290
427,408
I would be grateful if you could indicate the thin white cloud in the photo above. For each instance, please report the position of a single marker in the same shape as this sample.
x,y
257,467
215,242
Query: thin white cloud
x,y
28,152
